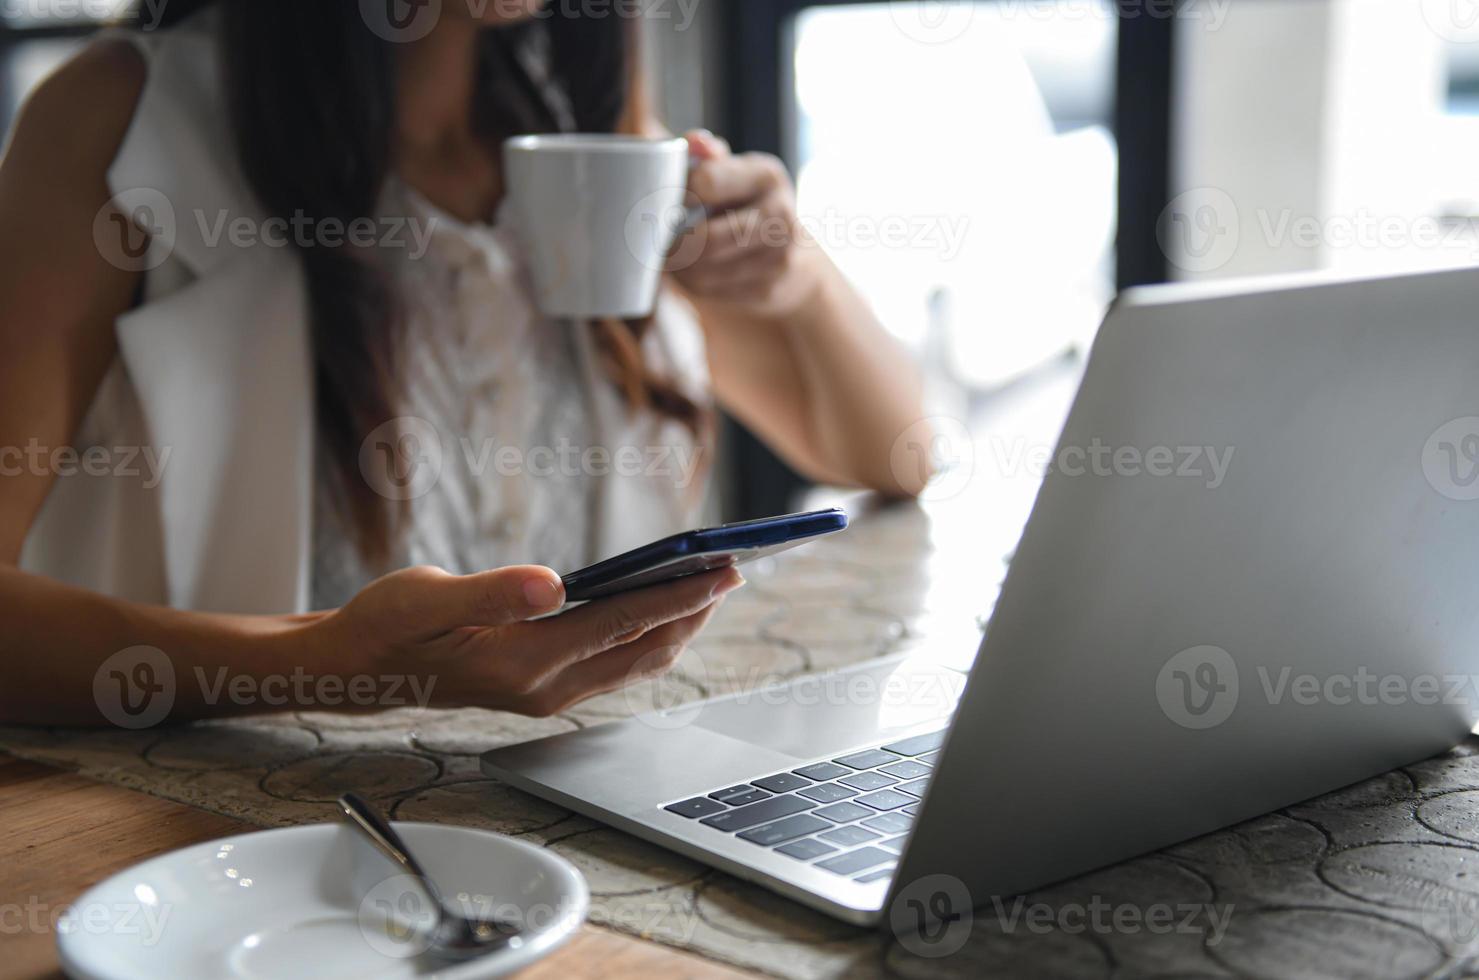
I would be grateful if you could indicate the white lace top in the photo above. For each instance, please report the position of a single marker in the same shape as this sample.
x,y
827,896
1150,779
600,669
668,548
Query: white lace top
x,y
500,453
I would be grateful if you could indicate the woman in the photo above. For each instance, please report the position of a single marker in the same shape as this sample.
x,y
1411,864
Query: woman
x,y
268,384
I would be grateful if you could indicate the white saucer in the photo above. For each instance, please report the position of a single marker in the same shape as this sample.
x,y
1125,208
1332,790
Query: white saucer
x,y
316,902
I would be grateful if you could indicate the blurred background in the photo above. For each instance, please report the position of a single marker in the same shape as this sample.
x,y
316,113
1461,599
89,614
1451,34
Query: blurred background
x,y
991,172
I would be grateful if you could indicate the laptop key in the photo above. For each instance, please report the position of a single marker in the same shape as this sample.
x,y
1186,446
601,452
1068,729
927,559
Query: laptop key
x,y
918,745
848,835
914,789
770,834
843,812
866,781
912,809
805,850
753,796
854,861
700,806
822,771
886,799
928,758
895,844
758,813
878,875
781,782
889,823
827,793
908,769
723,795
867,760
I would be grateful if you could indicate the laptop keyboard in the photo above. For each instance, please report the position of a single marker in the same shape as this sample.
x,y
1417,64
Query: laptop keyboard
x,y
849,815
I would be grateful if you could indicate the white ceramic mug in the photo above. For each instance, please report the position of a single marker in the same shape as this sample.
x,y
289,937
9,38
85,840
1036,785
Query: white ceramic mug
x,y
597,215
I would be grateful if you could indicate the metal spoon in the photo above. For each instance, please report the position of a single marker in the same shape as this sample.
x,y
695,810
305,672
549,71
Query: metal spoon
x,y
455,936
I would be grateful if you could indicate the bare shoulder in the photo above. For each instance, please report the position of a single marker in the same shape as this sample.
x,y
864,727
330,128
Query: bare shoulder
x,y
74,121
56,286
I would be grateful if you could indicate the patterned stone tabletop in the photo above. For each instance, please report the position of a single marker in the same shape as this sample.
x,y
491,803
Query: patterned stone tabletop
x,y
1373,881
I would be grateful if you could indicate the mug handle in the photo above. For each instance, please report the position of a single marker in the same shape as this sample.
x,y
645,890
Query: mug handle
x,y
695,215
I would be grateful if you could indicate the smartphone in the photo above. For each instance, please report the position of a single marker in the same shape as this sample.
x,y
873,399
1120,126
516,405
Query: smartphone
x,y
693,552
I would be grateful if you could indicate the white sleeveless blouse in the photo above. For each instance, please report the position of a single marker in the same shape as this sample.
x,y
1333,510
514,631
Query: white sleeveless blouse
x,y
513,446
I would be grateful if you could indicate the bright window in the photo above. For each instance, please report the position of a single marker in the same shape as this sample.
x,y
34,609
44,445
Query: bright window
x,y
956,161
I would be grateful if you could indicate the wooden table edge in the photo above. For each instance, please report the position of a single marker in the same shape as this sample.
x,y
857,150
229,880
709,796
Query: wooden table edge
x,y
65,832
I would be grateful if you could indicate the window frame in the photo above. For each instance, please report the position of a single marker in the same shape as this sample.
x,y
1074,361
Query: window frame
x,y
759,78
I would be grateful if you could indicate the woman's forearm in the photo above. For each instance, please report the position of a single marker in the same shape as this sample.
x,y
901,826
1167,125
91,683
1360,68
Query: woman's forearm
x,y
863,389
74,657
825,383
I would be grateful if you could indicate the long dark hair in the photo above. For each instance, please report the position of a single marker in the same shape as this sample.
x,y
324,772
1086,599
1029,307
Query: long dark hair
x,y
311,91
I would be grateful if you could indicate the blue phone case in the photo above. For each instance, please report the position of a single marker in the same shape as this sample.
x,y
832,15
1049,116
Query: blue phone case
x,y
693,552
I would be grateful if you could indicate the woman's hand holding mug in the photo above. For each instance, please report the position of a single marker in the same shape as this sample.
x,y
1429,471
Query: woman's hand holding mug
x,y
598,216
751,253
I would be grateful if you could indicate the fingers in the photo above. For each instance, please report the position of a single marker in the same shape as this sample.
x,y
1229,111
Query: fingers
x,y
741,270
704,145
726,183
434,600
651,656
582,633
768,226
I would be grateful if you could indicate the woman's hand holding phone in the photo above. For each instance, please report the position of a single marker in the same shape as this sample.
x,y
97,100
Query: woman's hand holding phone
x,y
476,640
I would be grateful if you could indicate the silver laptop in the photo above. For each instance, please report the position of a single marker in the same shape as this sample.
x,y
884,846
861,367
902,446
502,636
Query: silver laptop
x,y
1180,644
